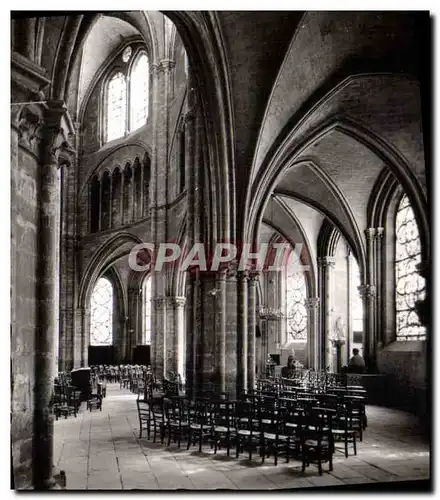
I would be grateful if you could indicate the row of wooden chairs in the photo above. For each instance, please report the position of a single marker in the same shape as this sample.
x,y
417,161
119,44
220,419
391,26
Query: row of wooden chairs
x,y
267,427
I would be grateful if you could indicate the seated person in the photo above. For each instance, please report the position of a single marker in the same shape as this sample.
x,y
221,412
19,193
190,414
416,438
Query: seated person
x,y
288,370
356,363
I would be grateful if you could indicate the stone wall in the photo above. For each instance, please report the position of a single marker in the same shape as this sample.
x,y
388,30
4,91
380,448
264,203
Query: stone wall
x,y
405,364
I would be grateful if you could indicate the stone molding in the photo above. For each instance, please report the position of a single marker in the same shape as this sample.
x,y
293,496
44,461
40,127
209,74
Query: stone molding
x,y
161,303
312,303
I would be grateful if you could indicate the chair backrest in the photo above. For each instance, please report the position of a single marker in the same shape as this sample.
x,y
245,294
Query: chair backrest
x,y
157,410
223,413
170,388
143,408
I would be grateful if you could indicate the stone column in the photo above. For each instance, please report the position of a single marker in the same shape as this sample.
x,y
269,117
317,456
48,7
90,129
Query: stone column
x,y
349,338
85,327
220,329
379,309
56,152
174,342
252,324
312,305
242,330
326,266
179,311
190,325
132,322
423,304
368,293
231,332
370,278
158,340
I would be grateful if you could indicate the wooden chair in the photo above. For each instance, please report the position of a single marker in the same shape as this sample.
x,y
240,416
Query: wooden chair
x,y
143,408
94,401
273,438
200,423
158,419
317,441
177,420
247,428
342,428
223,425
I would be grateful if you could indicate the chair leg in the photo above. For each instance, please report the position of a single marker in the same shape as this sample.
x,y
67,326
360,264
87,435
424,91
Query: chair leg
x,y
346,446
189,440
320,467
354,444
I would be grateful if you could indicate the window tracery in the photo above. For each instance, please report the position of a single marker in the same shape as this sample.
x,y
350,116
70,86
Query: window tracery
x,y
296,294
146,293
101,306
127,95
410,286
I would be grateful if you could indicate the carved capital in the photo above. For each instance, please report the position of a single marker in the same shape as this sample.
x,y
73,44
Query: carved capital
x,y
30,127
46,131
167,65
243,275
312,303
177,302
326,262
370,233
231,270
155,69
379,232
254,276
221,274
159,303
367,291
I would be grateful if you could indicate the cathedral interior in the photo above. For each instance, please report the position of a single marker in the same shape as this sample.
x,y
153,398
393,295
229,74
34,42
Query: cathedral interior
x,y
196,129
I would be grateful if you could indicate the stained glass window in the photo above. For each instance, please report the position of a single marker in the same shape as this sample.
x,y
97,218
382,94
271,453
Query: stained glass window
x,y
357,308
101,326
146,292
296,294
410,286
139,92
116,107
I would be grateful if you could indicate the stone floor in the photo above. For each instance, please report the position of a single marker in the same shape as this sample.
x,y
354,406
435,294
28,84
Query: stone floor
x,y
101,451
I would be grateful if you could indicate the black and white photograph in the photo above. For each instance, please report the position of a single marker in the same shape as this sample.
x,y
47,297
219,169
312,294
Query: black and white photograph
x,y
220,250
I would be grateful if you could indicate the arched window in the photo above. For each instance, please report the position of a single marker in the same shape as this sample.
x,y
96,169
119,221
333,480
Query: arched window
x,y
410,286
139,90
116,107
146,293
101,305
127,94
296,294
357,308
